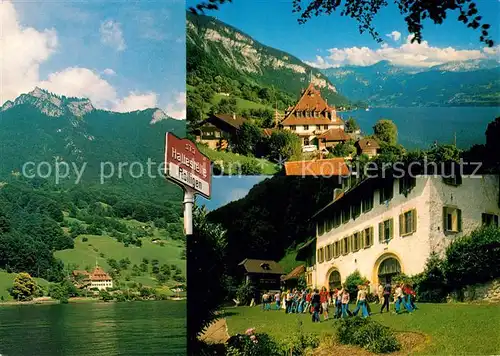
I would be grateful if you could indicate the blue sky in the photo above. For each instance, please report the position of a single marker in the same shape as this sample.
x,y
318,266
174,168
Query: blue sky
x,y
274,24
125,55
226,189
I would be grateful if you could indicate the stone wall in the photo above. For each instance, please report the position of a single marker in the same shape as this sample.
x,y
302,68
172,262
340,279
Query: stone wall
x,y
487,292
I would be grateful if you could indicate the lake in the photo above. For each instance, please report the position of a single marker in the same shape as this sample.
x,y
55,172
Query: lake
x,y
420,127
132,328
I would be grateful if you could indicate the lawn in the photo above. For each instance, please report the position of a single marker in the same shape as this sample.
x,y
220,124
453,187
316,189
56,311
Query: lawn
x,y
88,253
242,104
454,329
6,281
235,160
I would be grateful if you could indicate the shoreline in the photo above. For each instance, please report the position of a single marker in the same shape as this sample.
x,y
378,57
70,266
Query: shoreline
x,y
78,300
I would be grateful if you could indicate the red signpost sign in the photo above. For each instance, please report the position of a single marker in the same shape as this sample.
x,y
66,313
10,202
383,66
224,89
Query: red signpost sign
x,y
188,167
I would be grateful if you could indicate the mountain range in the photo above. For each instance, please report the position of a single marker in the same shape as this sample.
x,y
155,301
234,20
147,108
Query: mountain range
x,y
44,127
217,49
456,83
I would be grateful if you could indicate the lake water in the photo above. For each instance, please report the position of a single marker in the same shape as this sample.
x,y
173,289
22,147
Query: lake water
x,y
134,328
420,127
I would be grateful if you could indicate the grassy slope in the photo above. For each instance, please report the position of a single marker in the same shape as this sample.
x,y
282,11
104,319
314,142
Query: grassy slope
x,y
87,253
454,329
6,280
241,103
288,261
269,168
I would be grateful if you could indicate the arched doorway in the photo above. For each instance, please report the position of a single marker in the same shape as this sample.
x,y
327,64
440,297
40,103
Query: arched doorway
x,y
387,269
334,280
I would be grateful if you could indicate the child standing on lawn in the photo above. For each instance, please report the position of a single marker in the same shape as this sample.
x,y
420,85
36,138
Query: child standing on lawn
x,y
316,304
324,302
345,303
386,295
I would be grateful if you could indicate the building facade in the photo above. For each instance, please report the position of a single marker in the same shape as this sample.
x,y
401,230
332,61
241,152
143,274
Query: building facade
x,y
264,275
96,279
217,130
311,117
384,227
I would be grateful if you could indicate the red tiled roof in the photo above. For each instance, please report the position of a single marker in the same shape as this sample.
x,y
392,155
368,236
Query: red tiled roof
x,y
311,100
335,135
99,275
295,273
323,167
365,143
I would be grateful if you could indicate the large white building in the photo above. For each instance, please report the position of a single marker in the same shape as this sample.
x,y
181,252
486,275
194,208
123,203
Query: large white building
x,y
385,226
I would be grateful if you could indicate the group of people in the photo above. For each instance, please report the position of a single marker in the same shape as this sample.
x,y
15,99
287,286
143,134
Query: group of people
x,y
317,302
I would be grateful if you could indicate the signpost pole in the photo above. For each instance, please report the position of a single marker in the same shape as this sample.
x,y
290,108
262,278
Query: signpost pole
x,y
188,211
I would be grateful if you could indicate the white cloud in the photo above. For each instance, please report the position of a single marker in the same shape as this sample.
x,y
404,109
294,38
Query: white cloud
x,y
109,71
112,35
408,54
395,35
82,83
23,49
177,108
136,101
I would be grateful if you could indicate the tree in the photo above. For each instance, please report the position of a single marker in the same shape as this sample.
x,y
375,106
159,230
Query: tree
x,y
248,138
225,106
344,149
24,287
386,131
363,12
207,266
351,125
284,145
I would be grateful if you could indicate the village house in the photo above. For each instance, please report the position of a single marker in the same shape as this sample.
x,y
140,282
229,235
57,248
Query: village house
x,y
217,129
96,279
264,275
367,146
291,280
312,117
382,227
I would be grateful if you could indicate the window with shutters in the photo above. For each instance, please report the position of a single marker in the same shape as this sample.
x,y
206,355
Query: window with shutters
x,y
346,214
386,230
337,249
293,128
356,209
321,256
368,237
321,227
337,218
328,252
452,219
408,222
345,245
356,241
386,192
406,184
367,202
490,219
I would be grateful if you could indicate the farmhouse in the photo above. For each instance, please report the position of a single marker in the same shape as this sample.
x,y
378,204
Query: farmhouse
x,y
367,146
264,275
382,227
217,129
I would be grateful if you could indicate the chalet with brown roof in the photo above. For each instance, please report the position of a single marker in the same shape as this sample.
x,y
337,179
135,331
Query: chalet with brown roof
x,y
319,168
332,137
367,146
217,129
291,279
311,117
96,279
263,274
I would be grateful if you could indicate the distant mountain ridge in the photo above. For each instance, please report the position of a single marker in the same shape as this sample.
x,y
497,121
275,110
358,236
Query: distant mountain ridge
x,y
456,83
44,127
213,44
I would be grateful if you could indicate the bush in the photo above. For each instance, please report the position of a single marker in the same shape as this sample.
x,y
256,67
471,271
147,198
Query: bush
x,y
368,334
252,344
85,239
473,259
245,293
299,343
430,285
251,168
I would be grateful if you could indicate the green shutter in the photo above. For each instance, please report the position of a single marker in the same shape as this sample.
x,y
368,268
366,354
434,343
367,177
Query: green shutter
x,y
401,222
459,218
381,232
445,219
362,238
414,219
371,235
391,228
